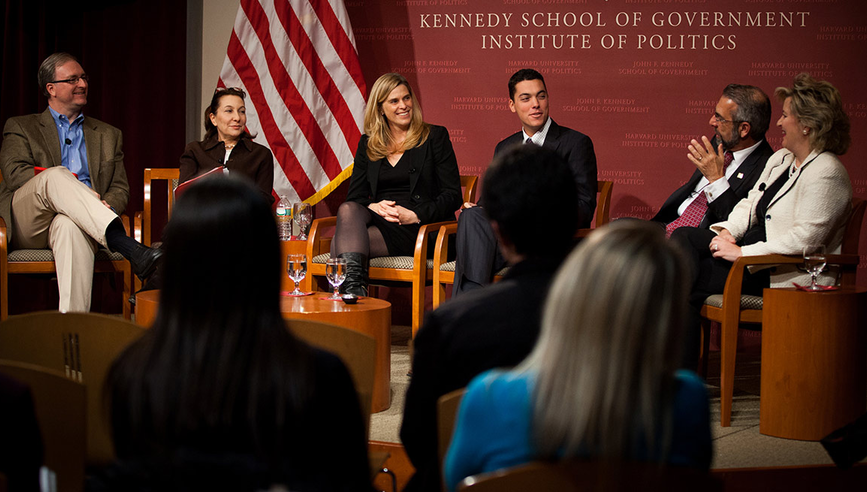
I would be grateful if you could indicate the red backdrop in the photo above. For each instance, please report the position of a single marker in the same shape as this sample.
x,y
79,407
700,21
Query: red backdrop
x,y
640,77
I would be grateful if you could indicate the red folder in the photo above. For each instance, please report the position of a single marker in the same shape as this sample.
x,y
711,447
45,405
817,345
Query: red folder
x,y
183,186
37,170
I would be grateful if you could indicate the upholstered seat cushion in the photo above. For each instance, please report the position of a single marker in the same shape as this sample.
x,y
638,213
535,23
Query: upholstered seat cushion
x,y
47,255
450,267
747,302
393,262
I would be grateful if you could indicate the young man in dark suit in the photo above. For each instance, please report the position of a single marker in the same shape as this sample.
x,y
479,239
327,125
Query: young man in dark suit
x,y
495,326
740,120
477,255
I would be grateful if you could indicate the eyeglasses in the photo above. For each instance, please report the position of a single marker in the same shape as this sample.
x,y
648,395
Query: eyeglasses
x,y
720,120
72,80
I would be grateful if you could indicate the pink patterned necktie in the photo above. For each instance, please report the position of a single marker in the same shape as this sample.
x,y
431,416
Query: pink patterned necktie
x,y
695,211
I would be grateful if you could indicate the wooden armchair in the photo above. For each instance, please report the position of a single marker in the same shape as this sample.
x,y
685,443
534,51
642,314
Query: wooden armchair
x,y
415,269
444,270
447,417
142,220
731,308
80,345
29,261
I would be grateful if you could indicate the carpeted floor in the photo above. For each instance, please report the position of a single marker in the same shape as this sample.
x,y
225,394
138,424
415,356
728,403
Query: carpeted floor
x,y
738,446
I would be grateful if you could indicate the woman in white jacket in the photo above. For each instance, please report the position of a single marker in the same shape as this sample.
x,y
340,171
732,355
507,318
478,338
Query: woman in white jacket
x,y
802,199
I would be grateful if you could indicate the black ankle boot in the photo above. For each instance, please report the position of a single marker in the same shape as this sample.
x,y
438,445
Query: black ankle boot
x,y
356,274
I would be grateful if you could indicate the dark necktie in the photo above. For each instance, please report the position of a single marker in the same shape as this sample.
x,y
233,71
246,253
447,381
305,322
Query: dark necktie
x,y
695,211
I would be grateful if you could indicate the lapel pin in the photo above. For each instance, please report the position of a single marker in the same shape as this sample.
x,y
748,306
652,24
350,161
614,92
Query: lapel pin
x,y
740,175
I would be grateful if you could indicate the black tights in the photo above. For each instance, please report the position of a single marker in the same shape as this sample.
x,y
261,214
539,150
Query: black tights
x,y
356,233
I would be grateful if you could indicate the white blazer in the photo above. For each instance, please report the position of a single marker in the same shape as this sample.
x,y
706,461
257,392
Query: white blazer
x,y
811,209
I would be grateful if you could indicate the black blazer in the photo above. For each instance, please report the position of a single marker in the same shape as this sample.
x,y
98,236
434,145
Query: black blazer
x,y
719,209
577,149
434,181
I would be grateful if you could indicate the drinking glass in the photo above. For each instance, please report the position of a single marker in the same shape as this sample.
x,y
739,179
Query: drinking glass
x,y
814,262
303,215
335,272
296,266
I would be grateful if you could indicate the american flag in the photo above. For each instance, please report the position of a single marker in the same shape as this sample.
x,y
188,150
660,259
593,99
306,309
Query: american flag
x,y
297,61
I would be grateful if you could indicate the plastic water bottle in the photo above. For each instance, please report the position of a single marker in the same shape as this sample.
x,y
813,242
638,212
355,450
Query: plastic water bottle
x,y
284,218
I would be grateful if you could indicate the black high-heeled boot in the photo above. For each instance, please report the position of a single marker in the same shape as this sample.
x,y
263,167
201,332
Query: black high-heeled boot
x,y
356,274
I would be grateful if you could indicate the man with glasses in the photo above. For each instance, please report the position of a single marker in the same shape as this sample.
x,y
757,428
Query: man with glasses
x,y
726,167
64,184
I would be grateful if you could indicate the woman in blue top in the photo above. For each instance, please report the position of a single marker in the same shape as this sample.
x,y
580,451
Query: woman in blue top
x,y
602,381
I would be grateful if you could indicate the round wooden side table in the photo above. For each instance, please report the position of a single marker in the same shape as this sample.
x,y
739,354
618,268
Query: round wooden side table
x,y
814,375
370,316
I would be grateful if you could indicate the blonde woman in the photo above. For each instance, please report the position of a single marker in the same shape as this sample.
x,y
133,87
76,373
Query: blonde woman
x,y
602,381
405,174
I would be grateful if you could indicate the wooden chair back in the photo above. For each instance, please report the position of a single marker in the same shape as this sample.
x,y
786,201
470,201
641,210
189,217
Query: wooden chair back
x,y
589,475
61,411
603,207
355,349
171,177
447,416
80,345
468,186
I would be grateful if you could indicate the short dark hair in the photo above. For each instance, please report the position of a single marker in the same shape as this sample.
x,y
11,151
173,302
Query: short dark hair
x,y
48,69
522,75
754,107
531,194
210,129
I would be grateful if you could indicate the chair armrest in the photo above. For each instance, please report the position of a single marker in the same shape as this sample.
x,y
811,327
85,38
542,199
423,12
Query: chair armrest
x,y
124,219
316,235
420,253
734,282
137,227
441,246
4,247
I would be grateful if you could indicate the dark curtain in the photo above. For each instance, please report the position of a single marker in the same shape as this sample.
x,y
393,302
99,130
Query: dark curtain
x,y
135,54
133,50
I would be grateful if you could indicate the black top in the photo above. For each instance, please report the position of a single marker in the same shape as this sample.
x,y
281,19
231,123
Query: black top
x,y
247,158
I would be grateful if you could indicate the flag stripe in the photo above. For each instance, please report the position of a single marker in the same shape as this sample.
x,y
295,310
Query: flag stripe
x,y
298,62
291,97
321,78
344,46
281,149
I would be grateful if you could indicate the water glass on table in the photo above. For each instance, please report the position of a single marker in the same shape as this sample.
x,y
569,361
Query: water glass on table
x,y
335,272
303,215
296,267
814,262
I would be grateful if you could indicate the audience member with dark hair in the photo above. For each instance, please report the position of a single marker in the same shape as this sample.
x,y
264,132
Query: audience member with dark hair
x,y
602,381
219,384
801,200
478,256
405,174
496,326
227,143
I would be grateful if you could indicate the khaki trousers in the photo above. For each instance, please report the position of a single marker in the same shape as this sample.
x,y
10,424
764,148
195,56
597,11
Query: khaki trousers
x,y
57,211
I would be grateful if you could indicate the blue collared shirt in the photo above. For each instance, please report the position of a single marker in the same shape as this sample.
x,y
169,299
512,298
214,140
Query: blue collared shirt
x,y
73,155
